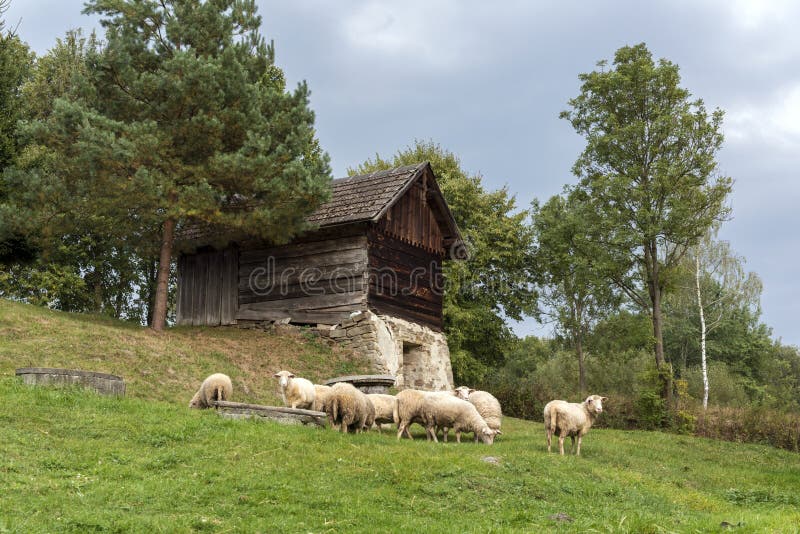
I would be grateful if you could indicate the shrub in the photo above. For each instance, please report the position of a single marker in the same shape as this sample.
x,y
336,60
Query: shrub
x,y
751,425
651,412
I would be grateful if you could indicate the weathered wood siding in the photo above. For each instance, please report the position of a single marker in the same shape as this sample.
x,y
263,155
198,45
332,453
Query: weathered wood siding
x,y
412,219
207,288
405,280
313,281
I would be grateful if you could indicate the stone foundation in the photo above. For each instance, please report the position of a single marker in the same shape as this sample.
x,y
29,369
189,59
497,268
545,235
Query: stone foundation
x,y
416,355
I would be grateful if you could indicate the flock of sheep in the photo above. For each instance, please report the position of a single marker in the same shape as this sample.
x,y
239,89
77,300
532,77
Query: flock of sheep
x,y
461,410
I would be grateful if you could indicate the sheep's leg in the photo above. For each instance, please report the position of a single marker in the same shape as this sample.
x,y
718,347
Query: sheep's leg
x,y
549,436
578,452
431,431
561,443
401,427
445,431
458,436
572,445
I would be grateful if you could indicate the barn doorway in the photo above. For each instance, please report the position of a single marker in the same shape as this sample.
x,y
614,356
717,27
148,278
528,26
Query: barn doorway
x,y
415,358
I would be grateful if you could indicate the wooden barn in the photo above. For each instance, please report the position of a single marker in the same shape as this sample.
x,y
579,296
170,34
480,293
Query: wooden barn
x,y
379,246
378,249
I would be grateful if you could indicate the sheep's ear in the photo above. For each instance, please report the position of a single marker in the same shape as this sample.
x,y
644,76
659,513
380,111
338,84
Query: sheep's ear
x,y
471,391
276,375
291,375
603,399
498,432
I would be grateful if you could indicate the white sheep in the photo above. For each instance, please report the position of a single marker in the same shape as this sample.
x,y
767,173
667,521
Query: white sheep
x,y
486,403
384,408
217,387
409,408
348,408
571,419
296,392
455,413
321,393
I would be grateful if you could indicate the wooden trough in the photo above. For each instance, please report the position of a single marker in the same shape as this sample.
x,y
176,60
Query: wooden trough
x,y
281,414
366,383
103,383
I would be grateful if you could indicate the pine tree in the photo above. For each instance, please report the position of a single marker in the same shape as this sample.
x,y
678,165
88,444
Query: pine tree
x,y
181,116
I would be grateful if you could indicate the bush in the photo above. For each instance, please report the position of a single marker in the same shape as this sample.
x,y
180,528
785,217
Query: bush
x,y
751,425
726,388
651,412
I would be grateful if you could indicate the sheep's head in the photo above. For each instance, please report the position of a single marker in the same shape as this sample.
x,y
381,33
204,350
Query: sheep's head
x,y
486,435
283,378
594,403
462,392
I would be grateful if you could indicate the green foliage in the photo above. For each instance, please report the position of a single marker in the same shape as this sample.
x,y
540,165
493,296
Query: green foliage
x,y
648,171
177,116
16,61
495,282
651,411
52,285
574,292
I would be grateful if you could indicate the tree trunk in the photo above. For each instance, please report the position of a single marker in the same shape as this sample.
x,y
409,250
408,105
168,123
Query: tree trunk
x,y
702,334
581,363
162,280
654,289
151,277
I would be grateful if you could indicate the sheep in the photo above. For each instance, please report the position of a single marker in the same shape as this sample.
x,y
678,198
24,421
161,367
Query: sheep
x,y
486,403
384,408
216,387
296,392
455,413
321,393
348,408
571,419
409,406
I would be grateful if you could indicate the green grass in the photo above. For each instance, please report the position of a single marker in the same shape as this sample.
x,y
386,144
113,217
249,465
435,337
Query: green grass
x,y
74,461
170,365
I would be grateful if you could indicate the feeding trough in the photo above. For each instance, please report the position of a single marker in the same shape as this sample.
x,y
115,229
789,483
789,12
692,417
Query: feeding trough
x,y
281,414
366,383
103,383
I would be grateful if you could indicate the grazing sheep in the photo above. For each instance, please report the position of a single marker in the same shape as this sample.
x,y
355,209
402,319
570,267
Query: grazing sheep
x,y
409,409
455,413
486,403
571,419
296,392
216,387
384,408
321,393
348,408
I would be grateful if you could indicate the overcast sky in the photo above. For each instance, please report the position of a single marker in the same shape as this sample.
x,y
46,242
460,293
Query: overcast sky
x,y
487,81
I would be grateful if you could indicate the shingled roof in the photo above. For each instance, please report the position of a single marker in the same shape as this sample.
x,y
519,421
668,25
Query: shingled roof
x,y
361,198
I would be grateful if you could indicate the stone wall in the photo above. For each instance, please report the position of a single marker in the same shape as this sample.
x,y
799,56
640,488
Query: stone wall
x,y
416,355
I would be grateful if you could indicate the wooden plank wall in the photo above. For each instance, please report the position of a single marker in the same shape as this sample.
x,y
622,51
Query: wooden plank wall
x,y
206,282
310,282
405,280
412,221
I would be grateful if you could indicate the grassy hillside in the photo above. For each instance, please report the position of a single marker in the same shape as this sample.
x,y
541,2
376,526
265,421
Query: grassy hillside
x,y
73,461
169,365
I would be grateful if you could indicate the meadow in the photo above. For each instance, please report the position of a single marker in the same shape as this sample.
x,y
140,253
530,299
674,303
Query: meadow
x,y
74,461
